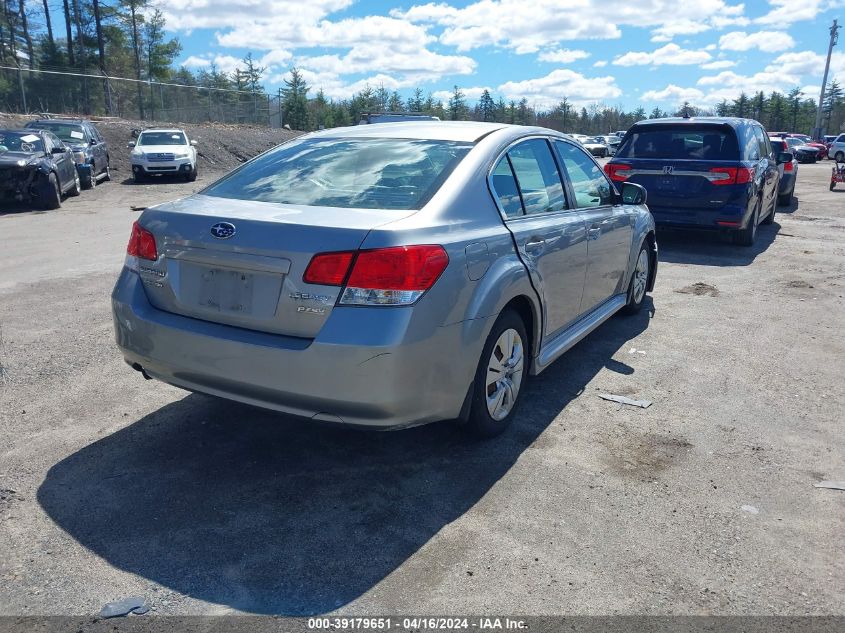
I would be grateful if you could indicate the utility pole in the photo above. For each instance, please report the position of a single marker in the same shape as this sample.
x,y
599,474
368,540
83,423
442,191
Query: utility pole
x,y
834,37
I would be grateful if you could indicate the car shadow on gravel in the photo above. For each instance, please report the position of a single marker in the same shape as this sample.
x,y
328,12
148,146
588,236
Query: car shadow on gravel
x,y
707,248
268,514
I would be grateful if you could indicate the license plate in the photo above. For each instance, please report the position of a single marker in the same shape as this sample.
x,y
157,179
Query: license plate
x,y
227,291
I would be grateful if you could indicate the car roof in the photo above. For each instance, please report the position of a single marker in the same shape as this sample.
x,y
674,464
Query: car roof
x,y
697,120
162,129
467,131
19,130
59,121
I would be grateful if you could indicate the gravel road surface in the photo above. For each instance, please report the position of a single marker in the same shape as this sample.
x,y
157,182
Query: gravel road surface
x,y
113,486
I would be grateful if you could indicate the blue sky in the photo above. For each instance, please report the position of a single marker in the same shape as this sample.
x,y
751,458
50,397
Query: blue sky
x,y
617,52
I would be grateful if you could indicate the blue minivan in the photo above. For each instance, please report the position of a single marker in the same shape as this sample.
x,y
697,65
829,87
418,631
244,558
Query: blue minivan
x,y
703,172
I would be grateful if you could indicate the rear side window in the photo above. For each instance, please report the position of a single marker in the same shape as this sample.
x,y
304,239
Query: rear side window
x,y
365,173
763,141
680,142
537,176
506,190
591,187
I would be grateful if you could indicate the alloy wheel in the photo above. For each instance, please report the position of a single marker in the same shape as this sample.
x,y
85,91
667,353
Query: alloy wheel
x,y
504,374
640,276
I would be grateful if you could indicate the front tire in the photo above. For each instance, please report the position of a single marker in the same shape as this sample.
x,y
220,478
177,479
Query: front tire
x,y
639,282
49,194
192,176
840,157
501,373
90,181
138,177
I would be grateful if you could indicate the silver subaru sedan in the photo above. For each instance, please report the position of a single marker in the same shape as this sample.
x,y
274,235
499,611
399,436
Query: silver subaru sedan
x,y
385,276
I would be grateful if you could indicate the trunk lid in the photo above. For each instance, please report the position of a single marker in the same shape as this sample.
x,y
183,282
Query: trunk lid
x,y
250,276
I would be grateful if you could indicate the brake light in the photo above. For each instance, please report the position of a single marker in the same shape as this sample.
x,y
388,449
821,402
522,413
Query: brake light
x,y
788,166
731,175
142,243
384,276
328,269
617,171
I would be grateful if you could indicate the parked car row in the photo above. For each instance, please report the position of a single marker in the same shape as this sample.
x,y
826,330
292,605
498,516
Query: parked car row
x,y
48,159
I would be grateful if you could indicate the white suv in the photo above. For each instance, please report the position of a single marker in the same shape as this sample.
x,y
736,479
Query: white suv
x,y
163,152
836,151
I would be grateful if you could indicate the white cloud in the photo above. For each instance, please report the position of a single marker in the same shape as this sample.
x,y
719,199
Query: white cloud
x,y
276,57
471,94
808,63
551,89
789,11
601,63
666,55
675,94
562,56
526,27
668,31
766,41
718,65
195,61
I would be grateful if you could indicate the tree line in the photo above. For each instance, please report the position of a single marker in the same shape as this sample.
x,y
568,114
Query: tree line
x,y
127,38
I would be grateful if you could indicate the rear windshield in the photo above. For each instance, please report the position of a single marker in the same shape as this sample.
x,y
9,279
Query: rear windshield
x,y
778,144
351,173
687,142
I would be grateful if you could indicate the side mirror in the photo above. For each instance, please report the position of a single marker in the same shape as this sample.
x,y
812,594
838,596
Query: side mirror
x,y
93,141
58,150
194,143
130,145
632,193
784,157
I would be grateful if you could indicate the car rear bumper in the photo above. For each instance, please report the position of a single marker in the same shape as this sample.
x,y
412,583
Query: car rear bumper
x,y
787,182
721,218
372,367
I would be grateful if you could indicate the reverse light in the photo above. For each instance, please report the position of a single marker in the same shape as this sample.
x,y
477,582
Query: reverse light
x,y
617,172
142,243
384,276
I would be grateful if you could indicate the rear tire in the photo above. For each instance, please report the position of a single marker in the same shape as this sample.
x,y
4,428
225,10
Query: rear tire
x,y
771,217
107,172
786,198
49,195
639,282
499,379
840,157
747,236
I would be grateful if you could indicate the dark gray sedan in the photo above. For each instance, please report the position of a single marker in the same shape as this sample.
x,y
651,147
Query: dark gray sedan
x,y
385,276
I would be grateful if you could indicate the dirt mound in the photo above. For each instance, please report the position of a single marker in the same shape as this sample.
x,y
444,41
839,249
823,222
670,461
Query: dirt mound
x,y
221,147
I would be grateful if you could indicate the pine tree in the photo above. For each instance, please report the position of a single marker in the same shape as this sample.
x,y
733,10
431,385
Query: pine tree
x,y
295,101
415,103
794,100
486,106
458,109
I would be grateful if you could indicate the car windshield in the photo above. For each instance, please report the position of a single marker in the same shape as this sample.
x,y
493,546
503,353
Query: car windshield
x,y
341,172
20,142
594,139
802,138
687,142
794,142
72,134
161,138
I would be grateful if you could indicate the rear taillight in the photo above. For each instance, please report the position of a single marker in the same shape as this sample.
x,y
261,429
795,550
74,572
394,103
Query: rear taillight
x,y
617,171
328,269
384,276
731,175
788,166
142,243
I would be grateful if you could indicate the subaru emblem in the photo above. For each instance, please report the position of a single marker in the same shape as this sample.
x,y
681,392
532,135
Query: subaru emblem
x,y
223,230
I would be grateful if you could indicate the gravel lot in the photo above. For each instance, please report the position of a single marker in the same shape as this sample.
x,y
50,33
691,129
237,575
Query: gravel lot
x,y
112,486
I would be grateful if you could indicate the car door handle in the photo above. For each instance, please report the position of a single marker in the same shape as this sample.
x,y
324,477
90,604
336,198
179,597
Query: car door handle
x,y
534,246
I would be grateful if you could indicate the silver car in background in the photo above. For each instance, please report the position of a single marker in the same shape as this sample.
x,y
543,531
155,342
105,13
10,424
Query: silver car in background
x,y
385,276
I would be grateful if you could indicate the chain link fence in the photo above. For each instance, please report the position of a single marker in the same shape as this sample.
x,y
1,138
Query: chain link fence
x,y
26,91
